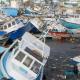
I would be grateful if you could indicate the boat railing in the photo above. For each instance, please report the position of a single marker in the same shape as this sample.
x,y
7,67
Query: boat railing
x,y
9,23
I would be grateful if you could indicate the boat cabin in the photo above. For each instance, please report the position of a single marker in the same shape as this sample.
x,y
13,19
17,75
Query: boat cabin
x,y
9,24
28,62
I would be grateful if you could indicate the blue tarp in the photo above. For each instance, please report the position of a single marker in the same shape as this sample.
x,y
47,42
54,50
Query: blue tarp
x,y
10,11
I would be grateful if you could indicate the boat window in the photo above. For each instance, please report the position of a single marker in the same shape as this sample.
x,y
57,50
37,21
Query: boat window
x,y
5,27
55,30
9,25
27,61
13,23
20,56
1,27
17,21
21,20
34,53
36,66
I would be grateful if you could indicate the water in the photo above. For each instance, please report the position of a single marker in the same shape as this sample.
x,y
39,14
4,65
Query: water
x,y
61,52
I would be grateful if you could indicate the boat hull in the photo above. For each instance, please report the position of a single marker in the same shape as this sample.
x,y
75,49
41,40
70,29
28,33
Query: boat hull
x,y
69,25
59,35
19,32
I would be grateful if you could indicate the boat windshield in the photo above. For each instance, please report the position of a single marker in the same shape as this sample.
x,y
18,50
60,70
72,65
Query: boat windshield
x,y
5,26
13,23
28,61
34,53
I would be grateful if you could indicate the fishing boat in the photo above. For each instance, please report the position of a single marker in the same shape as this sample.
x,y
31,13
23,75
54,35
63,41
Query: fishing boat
x,y
25,59
58,31
7,28
72,24
14,29
37,25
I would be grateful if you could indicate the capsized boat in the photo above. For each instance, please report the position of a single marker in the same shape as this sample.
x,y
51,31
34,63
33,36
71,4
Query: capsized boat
x,y
7,28
14,29
37,25
25,59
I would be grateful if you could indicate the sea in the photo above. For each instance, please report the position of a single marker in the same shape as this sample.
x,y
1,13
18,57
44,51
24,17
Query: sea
x,y
59,66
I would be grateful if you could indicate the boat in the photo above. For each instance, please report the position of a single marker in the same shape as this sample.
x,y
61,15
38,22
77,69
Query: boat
x,y
72,24
25,59
56,30
14,29
7,28
37,25
73,64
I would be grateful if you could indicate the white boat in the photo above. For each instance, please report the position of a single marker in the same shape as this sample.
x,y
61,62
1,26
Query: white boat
x,y
7,28
37,25
25,59
72,24
73,20
14,29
